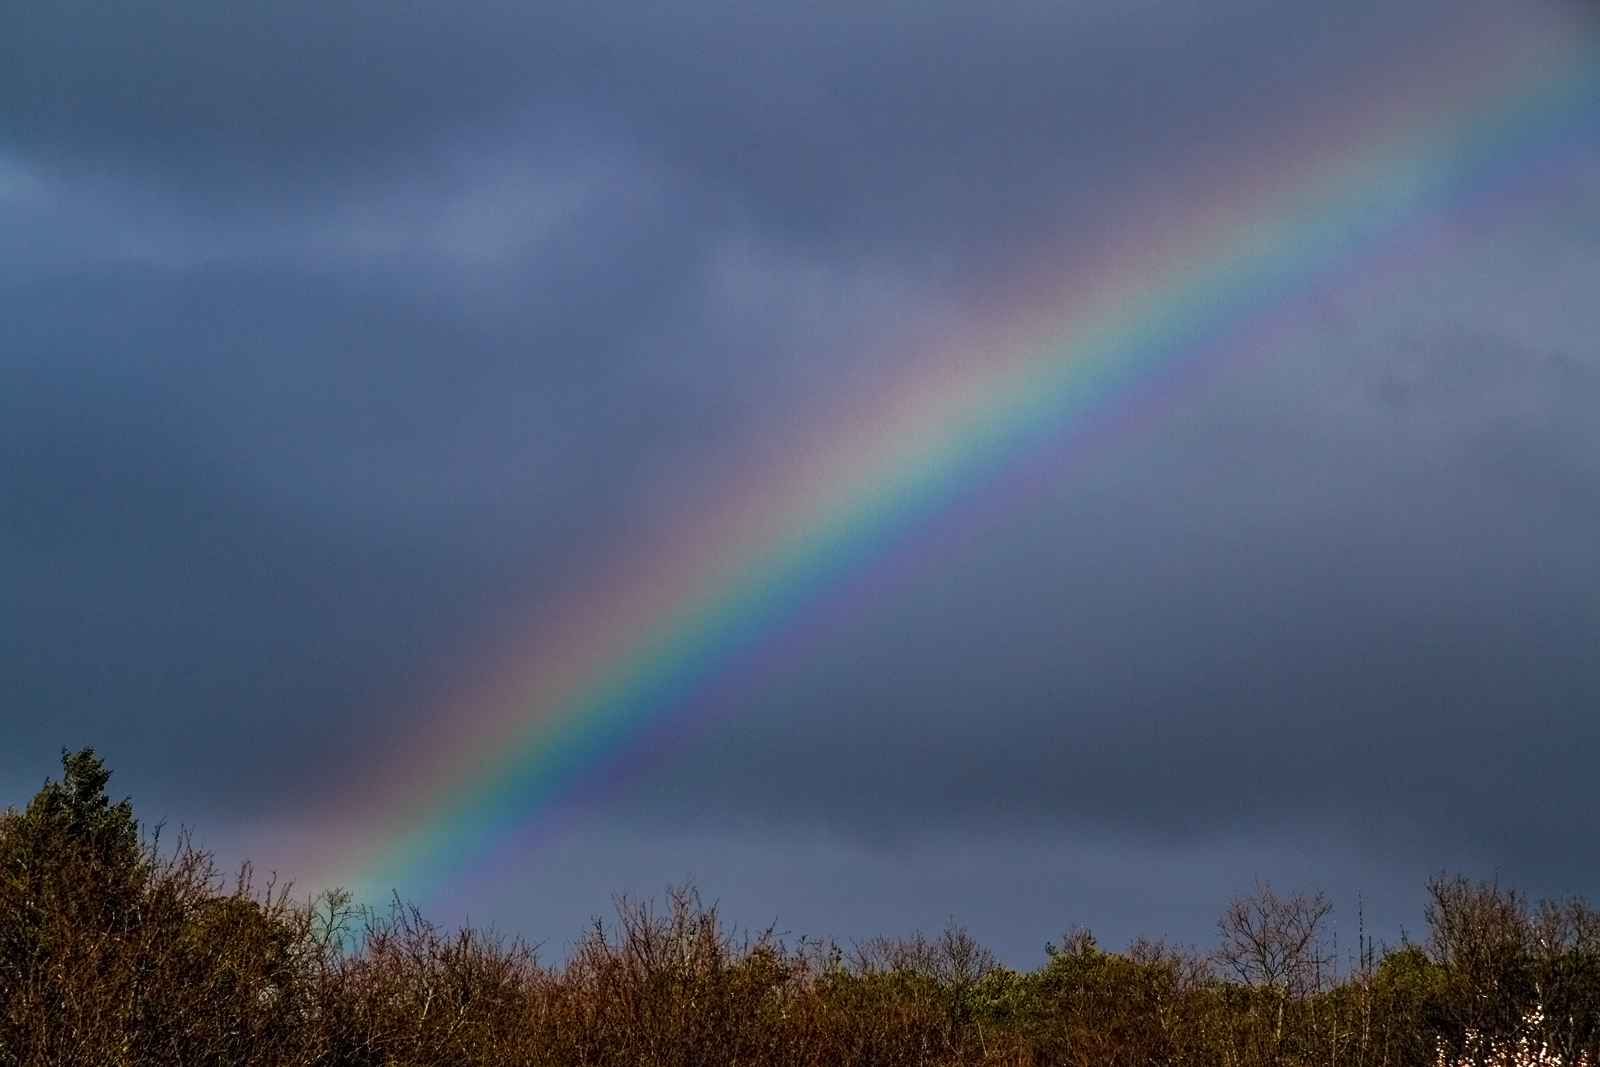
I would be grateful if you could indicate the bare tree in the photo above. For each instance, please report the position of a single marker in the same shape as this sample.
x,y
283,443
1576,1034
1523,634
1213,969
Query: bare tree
x,y
953,958
1484,936
1273,940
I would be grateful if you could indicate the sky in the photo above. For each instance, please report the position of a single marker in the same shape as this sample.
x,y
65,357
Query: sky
x,y
353,356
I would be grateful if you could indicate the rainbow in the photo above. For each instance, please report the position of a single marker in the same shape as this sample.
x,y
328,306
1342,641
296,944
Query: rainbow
x,y
705,611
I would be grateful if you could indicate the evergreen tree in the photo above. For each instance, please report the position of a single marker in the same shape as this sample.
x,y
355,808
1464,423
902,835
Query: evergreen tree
x,y
71,849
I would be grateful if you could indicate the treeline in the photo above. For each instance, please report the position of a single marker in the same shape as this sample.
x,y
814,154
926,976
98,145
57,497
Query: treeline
x,y
115,951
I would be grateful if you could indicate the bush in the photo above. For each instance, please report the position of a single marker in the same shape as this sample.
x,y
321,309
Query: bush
x,y
114,952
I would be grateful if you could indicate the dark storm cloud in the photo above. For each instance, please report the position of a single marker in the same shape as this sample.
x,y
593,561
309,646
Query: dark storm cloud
x,y
268,473
953,122
334,334
1390,618
270,480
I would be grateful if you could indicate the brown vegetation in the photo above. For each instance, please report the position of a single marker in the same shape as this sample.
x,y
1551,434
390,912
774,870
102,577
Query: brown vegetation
x,y
115,952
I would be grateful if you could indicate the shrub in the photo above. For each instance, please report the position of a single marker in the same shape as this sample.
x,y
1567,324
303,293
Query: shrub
x,y
114,952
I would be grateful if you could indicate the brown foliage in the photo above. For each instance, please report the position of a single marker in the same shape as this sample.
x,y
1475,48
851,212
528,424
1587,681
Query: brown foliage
x,y
113,952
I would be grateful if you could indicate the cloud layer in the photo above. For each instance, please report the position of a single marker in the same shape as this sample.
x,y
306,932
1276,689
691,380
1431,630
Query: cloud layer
x,y
334,336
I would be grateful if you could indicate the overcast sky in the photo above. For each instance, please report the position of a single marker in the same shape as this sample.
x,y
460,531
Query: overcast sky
x,y
337,338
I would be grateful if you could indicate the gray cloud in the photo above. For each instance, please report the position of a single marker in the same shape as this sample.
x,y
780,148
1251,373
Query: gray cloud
x,y
1364,584
333,336
854,121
